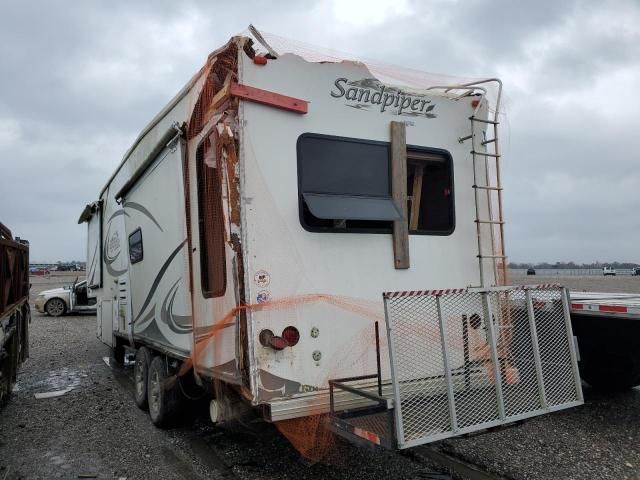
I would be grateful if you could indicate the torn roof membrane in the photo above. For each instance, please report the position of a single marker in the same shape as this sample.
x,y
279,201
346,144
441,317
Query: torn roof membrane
x,y
452,86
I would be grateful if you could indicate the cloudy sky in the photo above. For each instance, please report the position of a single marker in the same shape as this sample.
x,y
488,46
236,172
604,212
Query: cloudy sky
x,y
79,80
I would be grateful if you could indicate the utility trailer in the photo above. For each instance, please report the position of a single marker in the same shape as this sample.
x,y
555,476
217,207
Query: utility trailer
x,y
14,308
246,239
607,328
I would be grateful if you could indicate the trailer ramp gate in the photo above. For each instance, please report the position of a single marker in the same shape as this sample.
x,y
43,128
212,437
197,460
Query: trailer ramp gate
x,y
455,371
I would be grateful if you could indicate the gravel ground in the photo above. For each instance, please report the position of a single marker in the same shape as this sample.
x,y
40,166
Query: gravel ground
x,y
96,429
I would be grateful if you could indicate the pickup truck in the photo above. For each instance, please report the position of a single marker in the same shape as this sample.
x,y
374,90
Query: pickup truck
x,y
609,271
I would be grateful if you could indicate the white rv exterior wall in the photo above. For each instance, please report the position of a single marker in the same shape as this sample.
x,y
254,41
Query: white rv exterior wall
x,y
116,313
360,266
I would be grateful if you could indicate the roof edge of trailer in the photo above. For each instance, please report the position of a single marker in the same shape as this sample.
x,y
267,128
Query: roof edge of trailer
x,y
166,110
454,87
89,210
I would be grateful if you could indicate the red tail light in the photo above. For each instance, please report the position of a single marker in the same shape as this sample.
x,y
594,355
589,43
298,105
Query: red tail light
x,y
291,335
278,343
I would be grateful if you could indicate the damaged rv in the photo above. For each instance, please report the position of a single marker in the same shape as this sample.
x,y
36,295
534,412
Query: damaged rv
x,y
306,236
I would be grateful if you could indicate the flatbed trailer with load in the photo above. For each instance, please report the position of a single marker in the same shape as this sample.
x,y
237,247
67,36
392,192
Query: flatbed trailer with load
x,y
246,239
14,308
607,329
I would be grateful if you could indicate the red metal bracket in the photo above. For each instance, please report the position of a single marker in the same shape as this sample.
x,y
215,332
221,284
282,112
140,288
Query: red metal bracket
x,y
266,97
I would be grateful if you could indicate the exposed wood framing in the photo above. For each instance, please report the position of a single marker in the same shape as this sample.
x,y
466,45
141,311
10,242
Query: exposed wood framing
x,y
416,197
399,193
220,97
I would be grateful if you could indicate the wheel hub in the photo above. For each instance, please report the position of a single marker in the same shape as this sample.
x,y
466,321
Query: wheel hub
x,y
55,307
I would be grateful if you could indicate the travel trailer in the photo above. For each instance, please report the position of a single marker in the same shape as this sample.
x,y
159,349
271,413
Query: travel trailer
x,y
247,239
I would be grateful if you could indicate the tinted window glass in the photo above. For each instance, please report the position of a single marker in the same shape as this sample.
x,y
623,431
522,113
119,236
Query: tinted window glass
x,y
344,166
135,246
344,185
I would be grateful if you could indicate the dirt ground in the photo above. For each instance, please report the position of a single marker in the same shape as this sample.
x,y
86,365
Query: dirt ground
x,y
96,430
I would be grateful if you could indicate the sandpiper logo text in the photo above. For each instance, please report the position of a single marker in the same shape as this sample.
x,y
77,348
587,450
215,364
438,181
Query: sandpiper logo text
x,y
370,94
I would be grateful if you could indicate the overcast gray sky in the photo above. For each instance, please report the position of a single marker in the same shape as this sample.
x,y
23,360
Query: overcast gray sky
x,y
79,80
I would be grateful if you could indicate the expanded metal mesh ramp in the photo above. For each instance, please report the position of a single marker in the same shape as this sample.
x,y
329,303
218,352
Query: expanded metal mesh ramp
x,y
465,360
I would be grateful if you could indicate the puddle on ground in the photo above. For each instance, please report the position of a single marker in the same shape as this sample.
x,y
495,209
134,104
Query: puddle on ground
x,y
51,380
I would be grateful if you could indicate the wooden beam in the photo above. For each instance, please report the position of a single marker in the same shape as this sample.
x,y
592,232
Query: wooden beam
x,y
266,97
220,97
399,193
416,197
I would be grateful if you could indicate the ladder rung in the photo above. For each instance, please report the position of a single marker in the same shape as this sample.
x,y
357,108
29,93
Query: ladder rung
x,y
491,256
492,222
463,139
486,187
473,152
491,122
486,142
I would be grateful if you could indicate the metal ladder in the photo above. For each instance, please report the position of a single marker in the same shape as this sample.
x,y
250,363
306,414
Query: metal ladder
x,y
478,152
497,254
497,250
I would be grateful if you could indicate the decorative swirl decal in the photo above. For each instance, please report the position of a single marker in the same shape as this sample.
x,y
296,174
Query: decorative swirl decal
x,y
144,211
156,281
180,324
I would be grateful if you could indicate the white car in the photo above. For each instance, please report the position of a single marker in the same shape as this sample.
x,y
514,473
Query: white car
x,y
68,299
609,271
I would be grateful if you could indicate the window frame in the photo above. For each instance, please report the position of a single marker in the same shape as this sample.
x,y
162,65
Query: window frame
x,y
202,231
372,230
449,161
137,260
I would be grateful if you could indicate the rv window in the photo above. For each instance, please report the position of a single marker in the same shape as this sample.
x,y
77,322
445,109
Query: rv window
x,y
135,246
430,192
344,186
213,274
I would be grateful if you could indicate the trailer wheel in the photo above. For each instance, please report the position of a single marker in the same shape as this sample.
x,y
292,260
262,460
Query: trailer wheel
x,y
163,393
55,307
118,351
140,375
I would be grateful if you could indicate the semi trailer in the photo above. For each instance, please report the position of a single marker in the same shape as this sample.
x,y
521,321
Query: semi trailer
x,y
15,314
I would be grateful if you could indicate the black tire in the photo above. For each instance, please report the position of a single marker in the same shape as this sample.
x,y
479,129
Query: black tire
x,y
55,307
140,376
118,350
163,393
